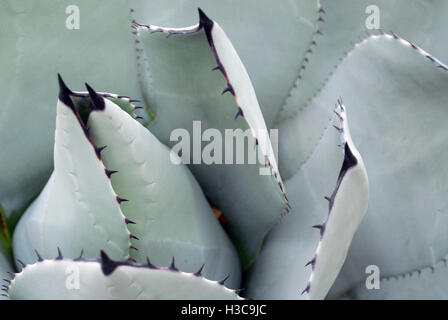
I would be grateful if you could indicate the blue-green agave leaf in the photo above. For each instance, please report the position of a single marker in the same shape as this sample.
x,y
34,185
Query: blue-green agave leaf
x,y
78,210
107,279
347,207
252,203
344,23
272,40
399,91
281,271
36,44
167,210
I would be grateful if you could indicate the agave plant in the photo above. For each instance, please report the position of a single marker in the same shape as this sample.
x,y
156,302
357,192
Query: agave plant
x,y
121,214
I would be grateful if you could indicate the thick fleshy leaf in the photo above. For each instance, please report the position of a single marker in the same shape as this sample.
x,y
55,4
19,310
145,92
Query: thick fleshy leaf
x,y
36,44
107,279
78,208
347,207
272,40
251,202
166,209
428,283
279,271
399,96
346,21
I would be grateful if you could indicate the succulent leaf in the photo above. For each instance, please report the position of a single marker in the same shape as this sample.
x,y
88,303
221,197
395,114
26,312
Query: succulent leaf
x,y
108,279
78,208
402,90
272,40
347,207
166,210
195,94
206,96
36,45
344,24
279,271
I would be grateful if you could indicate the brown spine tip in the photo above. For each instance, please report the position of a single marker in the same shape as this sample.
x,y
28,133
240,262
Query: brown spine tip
x,y
110,172
120,200
307,289
98,151
21,263
240,113
60,255
97,101
149,264
199,272
172,266
127,221
224,280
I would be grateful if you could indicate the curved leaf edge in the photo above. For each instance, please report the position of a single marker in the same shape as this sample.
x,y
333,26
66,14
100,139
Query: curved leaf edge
x,y
108,266
352,158
443,262
207,24
65,96
369,35
306,58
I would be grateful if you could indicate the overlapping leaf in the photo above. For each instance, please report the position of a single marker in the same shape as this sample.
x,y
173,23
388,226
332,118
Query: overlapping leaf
x,y
252,203
401,90
106,279
279,272
272,40
78,210
36,45
345,22
166,208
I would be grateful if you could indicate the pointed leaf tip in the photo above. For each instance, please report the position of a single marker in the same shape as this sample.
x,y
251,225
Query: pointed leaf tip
x,y
64,93
108,266
97,101
204,21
